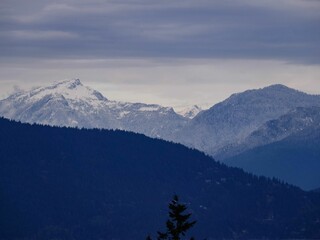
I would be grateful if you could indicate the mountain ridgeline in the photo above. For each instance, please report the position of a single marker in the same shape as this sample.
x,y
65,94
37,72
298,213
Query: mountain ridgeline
x,y
232,131
292,123
234,119
295,158
70,103
68,183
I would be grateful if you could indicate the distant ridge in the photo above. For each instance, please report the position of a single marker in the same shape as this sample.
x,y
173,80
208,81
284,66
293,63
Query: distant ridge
x,y
241,122
232,120
275,130
294,157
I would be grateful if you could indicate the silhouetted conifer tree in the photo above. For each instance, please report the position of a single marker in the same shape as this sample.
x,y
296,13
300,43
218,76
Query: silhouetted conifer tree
x,y
178,223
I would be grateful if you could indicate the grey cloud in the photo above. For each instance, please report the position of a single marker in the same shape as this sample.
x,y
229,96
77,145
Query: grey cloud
x,y
39,35
147,28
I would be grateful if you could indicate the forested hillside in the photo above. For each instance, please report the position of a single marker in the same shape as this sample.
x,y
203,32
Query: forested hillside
x,y
64,183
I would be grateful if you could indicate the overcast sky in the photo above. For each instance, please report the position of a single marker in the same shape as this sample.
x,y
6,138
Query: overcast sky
x,y
171,52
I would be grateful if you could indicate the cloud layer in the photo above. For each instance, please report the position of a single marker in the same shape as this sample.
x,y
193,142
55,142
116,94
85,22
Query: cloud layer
x,y
172,52
169,82
244,29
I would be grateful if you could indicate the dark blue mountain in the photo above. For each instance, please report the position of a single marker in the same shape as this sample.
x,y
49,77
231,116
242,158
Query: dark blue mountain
x,y
295,159
317,190
63,183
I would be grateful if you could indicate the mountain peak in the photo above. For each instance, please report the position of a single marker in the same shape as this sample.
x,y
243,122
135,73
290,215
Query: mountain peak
x,y
232,120
279,87
70,103
70,83
270,94
70,89
276,86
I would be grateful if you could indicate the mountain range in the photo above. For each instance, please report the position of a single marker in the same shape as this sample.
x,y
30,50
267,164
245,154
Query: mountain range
x,y
243,122
77,184
233,120
291,123
69,103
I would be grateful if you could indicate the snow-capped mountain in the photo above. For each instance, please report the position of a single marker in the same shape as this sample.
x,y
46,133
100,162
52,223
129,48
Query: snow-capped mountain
x,y
69,103
275,130
226,125
190,112
234,119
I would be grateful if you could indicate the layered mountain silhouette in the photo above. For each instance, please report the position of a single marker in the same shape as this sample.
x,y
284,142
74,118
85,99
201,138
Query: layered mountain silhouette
x,y
68,183
243,122
294,159
275,130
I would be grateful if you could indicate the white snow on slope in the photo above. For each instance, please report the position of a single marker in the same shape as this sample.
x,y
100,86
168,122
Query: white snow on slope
x,y
190,112
69,103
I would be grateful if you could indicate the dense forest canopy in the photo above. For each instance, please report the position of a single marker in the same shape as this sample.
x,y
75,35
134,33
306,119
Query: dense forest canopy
x,y
67,183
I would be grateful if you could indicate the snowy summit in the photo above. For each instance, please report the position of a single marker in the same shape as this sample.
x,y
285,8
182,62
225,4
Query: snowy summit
x,y
70,103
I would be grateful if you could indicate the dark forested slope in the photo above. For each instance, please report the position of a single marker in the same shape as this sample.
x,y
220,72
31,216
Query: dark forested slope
x,y
59,183
295,159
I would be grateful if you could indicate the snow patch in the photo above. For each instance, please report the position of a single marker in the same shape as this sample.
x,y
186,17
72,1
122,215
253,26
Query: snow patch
x,y
190,112
123,114
149,109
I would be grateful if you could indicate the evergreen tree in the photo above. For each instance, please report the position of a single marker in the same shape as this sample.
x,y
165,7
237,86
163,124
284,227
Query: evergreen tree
x,y
178,223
